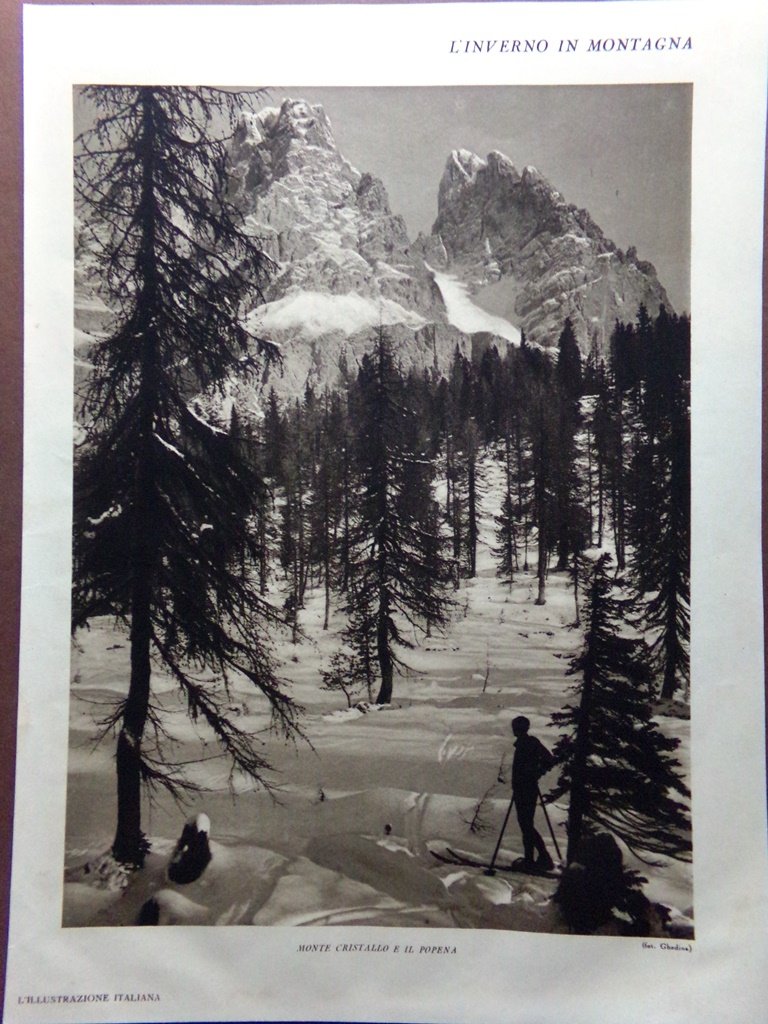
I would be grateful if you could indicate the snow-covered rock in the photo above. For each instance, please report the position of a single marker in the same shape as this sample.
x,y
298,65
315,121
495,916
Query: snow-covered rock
x,y
345,263
529,256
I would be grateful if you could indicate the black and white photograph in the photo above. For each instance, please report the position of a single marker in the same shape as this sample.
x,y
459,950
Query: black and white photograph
x,y
381,515
391,640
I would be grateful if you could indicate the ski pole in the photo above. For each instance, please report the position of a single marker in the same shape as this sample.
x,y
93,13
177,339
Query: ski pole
x,y
489,870
549,823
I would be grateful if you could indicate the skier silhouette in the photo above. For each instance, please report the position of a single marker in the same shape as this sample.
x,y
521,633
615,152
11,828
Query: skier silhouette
x,y
531,761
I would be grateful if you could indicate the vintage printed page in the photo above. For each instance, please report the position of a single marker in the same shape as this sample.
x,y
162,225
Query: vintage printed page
x,y
391,641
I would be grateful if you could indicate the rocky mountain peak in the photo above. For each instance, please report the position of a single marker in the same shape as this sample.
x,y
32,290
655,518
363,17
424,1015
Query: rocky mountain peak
x,y
462,167
278,142
345,262
292,121
500,166
529,256
506,252
300,194
463,170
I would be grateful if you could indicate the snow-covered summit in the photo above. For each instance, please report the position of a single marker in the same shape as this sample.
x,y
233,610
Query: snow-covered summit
x,y
509,245
463,165
463,169
291,127
527,255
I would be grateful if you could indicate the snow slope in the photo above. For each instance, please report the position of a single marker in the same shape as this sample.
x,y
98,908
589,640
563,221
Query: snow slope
x,y
319,314
465,314
359,812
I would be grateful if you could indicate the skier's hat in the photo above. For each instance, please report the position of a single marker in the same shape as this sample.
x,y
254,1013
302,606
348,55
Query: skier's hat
x,y
521,724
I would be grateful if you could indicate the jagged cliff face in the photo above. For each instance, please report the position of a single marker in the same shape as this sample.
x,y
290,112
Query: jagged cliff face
x,y
531,257
344,261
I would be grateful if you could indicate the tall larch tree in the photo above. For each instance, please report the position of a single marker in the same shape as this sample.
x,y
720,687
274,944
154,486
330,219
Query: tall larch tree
x,y
541,429
162,495
568,485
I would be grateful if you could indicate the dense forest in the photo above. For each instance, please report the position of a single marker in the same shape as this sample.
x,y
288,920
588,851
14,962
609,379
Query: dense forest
x,y
373,488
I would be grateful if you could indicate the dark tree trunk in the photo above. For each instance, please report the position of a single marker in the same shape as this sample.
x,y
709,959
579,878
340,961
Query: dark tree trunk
x,y
457,530
590,489
541,597
575,564
263,559
669,683
600,503
327,541
302,567
129,846
383,651
579,797
563,546
472,516
511,541
619,522
448,478
520,477
345,520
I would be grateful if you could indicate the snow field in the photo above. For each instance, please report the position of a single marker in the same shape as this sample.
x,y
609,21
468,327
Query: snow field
x,y
358,812
465,314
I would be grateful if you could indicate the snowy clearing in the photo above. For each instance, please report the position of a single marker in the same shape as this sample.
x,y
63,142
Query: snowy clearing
x,y
359,812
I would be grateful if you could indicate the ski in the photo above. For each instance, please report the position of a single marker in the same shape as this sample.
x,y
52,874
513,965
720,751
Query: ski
x,y
450,856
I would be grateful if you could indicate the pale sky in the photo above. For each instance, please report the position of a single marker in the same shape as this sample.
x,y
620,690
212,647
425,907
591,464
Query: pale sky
x,y
623,152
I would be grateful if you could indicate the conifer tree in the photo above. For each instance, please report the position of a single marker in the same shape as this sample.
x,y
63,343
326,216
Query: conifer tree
x,y
163,495
509,520
567,484
471,466
295,532
624,381
247,437
541,428
274,438
661,556
506,540
569,370
356,665
327,500
461,440
603,445
615,763
393,533
514,436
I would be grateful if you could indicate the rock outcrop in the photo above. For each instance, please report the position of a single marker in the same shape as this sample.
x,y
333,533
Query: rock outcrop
x,y
344,260
528,255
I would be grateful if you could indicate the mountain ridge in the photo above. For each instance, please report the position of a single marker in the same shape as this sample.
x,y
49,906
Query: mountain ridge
x,y
506,253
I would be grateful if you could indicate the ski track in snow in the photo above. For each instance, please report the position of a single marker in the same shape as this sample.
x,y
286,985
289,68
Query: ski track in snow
x,y
452,751
348,843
